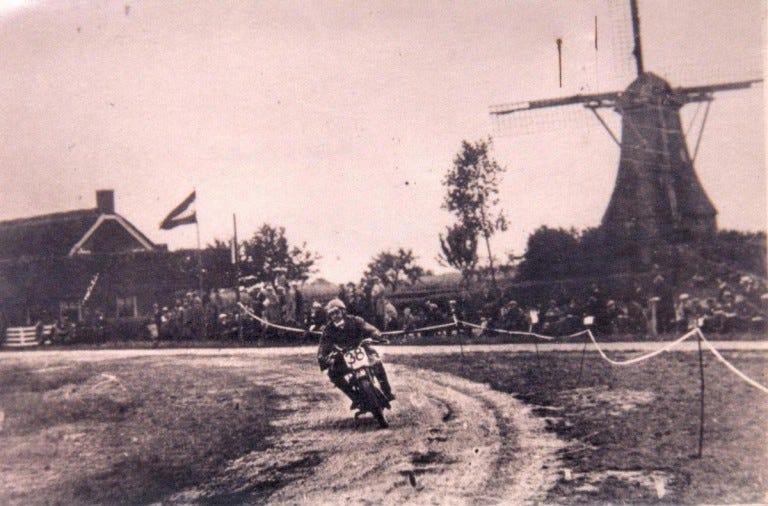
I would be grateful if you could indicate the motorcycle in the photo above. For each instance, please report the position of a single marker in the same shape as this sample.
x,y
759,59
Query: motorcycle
x,y
360,376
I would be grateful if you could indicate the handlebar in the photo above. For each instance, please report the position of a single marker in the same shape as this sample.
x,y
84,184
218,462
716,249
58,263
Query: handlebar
x,y
375,340
367,340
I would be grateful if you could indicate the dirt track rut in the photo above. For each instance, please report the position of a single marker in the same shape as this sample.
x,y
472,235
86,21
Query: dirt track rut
x,y
450,441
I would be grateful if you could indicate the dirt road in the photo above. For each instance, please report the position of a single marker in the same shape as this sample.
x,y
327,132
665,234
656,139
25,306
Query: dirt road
x,y
450,442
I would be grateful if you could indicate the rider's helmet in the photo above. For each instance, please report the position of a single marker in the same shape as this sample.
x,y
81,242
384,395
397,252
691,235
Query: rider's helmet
x,y
335,304
335,310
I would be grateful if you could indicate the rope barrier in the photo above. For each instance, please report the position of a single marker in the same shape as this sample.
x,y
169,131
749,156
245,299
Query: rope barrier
x,y
270,324
511,332
731,366
523,333
421,329
667,347
456,322
646,356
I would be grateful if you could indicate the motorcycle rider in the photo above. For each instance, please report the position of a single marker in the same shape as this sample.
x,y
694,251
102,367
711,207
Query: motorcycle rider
x,y
346,331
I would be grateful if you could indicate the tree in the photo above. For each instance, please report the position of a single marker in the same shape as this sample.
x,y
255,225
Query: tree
x,y
217,263
550,254
459,250
472,184
744,251
393,268
268,249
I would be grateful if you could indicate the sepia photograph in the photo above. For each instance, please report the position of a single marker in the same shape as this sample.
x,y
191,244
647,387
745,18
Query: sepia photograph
x,y
428,252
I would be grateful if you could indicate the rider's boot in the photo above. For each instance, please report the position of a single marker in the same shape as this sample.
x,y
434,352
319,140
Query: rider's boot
x,y
381,375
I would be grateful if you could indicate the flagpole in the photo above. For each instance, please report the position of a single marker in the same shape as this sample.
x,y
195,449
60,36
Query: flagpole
x,y
236,263
236,259
199,253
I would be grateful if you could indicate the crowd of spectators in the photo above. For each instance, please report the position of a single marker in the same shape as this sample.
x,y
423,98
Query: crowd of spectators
x,y
737,305
725,304
720,305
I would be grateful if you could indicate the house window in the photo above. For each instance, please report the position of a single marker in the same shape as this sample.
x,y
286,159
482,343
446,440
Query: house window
x,y
126,306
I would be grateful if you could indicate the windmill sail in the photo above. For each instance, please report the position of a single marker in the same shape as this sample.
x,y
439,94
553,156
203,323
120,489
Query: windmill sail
x,y
592,100
704,93
657,195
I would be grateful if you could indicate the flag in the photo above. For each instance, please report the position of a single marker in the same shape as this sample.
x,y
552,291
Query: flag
x,y
181,214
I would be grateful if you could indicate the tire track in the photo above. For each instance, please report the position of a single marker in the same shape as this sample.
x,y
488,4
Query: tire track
x,y
450,441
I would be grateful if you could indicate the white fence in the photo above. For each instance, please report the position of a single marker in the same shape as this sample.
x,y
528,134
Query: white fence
x,y
18,337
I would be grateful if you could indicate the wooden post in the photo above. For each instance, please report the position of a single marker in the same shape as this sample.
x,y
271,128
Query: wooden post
x,y
701,397
653,328
452,304
535,344
583,353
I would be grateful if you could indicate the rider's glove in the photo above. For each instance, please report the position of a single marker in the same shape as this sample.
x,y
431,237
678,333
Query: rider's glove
x,y
333,357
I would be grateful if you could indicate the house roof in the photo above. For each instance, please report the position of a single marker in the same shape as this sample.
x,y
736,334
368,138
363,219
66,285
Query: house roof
x,y
69,233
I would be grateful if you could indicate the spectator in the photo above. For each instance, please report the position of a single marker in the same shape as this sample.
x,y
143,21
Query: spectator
x,y
573,318
682,311
637,318
513,317
40,331
390,315
298,303
597,307
157,320
281,277
409,323
317,318
378,301
288,304
665,310
355,301
271,303
618,317
432,313
551,318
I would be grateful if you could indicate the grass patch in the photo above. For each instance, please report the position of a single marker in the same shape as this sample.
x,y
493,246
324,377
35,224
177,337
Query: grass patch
x,y
643,418
126,432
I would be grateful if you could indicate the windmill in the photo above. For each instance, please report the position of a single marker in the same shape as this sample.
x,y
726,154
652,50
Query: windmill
x,y
657,195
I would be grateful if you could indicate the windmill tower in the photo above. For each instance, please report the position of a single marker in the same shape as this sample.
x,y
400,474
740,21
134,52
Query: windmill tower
x,y
657,195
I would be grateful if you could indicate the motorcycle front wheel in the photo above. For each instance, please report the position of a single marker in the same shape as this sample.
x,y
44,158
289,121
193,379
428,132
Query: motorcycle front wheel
x,y
372,400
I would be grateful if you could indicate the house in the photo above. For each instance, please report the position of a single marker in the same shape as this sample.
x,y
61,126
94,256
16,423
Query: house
x,y
93,259
72,233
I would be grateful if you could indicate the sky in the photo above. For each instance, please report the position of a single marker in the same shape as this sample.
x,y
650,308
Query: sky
x,y
338,120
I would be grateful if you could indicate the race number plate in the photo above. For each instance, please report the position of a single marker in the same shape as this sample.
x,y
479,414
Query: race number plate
x,y
356,359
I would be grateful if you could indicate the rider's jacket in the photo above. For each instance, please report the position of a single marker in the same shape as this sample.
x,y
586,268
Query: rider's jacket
x,y
348,336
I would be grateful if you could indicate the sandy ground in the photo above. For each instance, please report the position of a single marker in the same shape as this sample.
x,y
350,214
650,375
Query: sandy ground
x,y
450,441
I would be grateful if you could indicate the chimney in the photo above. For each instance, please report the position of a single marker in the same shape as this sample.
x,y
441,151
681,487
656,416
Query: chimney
x,y
105,201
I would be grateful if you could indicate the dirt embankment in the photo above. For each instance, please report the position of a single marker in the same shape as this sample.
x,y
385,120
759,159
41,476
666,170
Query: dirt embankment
x,y
451,441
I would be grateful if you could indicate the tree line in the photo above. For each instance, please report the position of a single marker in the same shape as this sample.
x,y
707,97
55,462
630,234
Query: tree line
x,y
471,185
